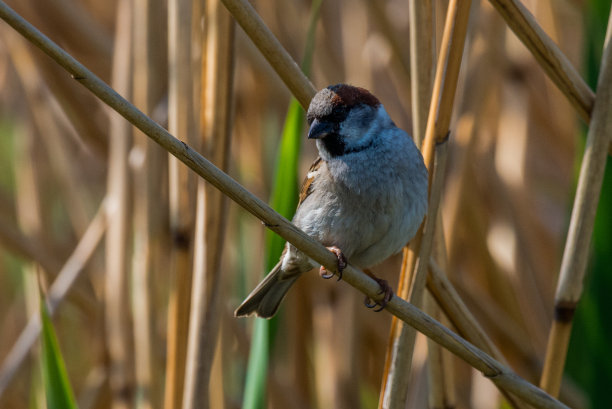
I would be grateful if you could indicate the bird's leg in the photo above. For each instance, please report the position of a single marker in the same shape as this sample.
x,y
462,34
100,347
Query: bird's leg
x,y
385,289
341,264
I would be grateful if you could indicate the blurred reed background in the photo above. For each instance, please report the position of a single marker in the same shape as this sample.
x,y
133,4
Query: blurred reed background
x,y
150,319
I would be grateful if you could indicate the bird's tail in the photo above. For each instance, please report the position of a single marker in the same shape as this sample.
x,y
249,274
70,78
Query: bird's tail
x,y
267,296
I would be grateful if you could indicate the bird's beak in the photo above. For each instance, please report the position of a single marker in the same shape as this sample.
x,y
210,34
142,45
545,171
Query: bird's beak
x,y
320,129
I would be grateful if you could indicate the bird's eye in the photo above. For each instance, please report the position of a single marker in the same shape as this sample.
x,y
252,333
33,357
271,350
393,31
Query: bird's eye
x,y
338,114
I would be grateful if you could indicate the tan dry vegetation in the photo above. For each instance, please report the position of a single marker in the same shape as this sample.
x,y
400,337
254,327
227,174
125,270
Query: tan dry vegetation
x,y
504,206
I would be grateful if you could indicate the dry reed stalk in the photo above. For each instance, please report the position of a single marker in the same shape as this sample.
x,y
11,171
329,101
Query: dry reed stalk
x,y
38,102
59,161
28,184
422,63
323,356
454,308
73,21
30,248
439,365
61,286
346,344
457,191
528,306
217,395
576,253
93,387
498,373
148,170
116,298
396,385
335,344
547,53
301,334
28,203
77,29
398,47
507,329
77,108
285,66
448,299
20,227
216,108
479,109
422,55
181,122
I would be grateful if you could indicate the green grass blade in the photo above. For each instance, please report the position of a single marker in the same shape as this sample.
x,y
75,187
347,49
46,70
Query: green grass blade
x,y
283,199
285,191
257,370
55,379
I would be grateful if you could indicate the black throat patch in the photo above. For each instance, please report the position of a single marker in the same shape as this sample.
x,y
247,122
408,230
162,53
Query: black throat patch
x,y
335,146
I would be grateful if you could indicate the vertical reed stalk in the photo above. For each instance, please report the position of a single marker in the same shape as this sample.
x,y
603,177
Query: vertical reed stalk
x,y
29,219
216,108
116,299
575,255
441,377
149,80
440,368
403,337
422,40
422,63
181,189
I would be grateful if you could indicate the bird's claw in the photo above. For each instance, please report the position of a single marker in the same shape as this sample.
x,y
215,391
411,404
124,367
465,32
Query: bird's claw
x,y
385,289
341,264
325,274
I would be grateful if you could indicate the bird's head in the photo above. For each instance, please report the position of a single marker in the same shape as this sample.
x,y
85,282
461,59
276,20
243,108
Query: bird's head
x,y
345,119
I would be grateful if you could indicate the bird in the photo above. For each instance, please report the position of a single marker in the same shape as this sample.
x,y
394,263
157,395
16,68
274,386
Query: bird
x,y
364,197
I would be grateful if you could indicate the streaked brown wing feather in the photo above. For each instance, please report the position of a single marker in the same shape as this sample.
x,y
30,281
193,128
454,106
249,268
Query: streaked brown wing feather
x,y
310,177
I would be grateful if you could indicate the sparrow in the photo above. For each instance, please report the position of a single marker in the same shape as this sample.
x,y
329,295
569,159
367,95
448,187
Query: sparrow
x,y
364,197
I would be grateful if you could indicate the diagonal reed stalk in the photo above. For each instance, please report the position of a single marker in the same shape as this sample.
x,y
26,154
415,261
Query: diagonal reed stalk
x,y
286,68
498,373
549,56
575,255
555,64
395,388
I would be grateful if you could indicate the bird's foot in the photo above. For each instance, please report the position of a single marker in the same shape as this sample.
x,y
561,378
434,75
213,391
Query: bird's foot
x,y
341,264
385,289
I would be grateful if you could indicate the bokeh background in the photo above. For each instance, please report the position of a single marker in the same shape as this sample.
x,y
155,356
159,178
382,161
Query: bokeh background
x,y
515,149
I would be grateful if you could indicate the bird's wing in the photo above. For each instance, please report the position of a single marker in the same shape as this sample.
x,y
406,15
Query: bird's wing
x,y
310,177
